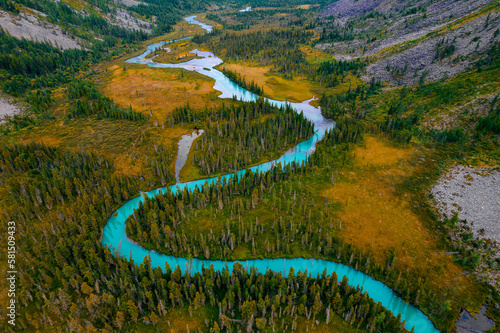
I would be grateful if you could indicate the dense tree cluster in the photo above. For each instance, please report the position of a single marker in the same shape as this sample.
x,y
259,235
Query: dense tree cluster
x,y
238,142
32,69
279,48
31,65
336,105
82,283
333,72
335,35
8,6
238,136
160,160
76,275
60,200
266,300
346,130
54,177
331,32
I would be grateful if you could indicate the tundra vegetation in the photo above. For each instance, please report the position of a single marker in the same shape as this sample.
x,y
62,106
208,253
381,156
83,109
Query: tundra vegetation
x,y
98,131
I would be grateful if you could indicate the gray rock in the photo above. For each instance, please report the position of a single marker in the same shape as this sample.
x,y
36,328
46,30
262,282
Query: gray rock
x,y
473,193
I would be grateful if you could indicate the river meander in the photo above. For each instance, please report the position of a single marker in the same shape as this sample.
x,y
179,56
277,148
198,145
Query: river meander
x,y
114,235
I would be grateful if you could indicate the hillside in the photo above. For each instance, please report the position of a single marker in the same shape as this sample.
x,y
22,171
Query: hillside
x,y
412,41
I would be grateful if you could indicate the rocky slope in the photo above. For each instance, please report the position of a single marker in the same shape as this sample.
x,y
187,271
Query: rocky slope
x,y
36,25
408,42
473,194
449,53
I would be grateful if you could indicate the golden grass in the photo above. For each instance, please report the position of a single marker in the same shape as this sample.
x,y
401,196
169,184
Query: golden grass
x,y
377,218
374,218
46,139
126,165
159,90
175,57
180,321
297,90
378,153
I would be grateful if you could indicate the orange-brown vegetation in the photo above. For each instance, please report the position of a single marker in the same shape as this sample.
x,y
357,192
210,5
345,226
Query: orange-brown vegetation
x,y
377,216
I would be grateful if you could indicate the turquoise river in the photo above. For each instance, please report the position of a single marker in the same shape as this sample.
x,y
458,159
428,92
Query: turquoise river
x,y
114,235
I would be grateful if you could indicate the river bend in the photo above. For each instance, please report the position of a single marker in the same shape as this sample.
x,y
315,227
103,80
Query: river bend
x,y
114,235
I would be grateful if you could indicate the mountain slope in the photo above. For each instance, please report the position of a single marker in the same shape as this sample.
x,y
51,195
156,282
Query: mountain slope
x,y
414,41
